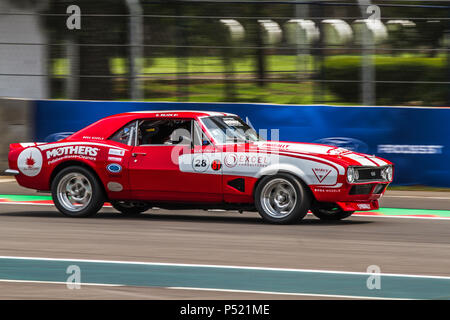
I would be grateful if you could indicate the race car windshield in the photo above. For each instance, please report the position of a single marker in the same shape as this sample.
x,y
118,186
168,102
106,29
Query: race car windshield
x,y
229,129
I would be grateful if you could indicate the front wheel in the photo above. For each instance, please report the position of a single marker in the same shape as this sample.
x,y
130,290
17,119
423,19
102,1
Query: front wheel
x,y
331,213
130,208
77,192
282,199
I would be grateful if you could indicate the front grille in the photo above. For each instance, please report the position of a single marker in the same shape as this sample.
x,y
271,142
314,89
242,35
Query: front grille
x,y
361,189
367,174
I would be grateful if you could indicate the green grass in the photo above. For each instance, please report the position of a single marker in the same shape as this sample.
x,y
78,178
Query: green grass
x,y
209,87
279,93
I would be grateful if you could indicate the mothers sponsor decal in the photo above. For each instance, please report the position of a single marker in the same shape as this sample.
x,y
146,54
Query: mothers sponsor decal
x,y
85,152
29,162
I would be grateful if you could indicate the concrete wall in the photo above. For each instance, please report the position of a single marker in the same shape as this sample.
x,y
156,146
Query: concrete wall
x,y
16,118
23,53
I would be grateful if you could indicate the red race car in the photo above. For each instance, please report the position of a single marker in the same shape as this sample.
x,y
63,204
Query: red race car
x,y
197,159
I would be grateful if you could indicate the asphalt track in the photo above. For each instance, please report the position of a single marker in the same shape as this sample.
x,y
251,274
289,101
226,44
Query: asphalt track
x,y
225,255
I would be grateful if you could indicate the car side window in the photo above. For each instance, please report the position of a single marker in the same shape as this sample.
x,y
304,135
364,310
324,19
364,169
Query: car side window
x,y
164,132
126,134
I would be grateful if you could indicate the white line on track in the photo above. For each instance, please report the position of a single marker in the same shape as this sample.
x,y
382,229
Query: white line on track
x,y
7,180
286,293
223,266
61,282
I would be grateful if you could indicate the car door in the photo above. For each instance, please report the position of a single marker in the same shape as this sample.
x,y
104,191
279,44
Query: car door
x,y
162,150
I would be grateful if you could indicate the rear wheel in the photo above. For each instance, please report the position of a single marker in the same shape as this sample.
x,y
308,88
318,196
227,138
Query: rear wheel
x,y
282,199
77,192
130,208
331,212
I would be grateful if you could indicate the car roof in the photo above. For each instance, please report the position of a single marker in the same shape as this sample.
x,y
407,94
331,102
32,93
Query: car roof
x,y
107,126
180,113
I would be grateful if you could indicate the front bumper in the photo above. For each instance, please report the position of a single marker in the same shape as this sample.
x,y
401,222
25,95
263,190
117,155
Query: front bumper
x,y
359,205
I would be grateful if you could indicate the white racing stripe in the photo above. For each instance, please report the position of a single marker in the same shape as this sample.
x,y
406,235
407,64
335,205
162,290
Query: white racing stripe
x,y
64,144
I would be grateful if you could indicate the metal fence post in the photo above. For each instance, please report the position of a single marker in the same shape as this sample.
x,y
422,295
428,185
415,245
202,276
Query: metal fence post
x,y
136,36
367,57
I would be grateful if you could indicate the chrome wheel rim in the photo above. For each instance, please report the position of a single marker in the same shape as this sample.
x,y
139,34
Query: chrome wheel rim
x,y
74,192
278,198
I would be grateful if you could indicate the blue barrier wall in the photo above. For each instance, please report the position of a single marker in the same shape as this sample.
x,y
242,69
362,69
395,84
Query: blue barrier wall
x,y
417,140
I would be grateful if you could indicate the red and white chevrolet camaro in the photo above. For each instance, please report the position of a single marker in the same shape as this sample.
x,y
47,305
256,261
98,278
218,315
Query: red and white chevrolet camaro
x,y
197,159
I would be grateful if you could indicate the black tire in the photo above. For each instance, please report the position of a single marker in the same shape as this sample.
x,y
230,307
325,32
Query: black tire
x,y
331,212
265,199
62,199
130,208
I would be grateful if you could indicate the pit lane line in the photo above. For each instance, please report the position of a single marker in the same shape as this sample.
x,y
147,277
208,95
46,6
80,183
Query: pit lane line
x,y
306,282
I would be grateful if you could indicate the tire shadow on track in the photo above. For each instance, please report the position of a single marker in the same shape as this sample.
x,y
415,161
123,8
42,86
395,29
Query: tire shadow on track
x,y
182,217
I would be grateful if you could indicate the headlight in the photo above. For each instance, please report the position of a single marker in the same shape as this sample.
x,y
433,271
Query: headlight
x,y
352,175
386,173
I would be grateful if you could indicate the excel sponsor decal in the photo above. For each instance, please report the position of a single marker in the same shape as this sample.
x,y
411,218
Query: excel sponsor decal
x,y
29,162
249,160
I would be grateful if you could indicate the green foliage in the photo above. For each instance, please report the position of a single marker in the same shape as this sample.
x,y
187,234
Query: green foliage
x,y
390,69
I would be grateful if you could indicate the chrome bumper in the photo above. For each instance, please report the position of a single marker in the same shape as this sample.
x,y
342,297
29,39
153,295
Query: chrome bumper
x,y
10,172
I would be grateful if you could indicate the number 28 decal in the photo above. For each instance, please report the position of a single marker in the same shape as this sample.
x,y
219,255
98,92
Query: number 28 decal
x,y
200,163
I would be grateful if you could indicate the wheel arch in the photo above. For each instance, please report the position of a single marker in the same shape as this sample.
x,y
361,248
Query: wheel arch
x,y
296,172
70,163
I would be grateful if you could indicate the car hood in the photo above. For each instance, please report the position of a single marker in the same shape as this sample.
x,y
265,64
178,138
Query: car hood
x,y
336,154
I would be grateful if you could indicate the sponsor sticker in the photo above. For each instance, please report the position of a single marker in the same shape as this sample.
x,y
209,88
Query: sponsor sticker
x,y
29,162
216,165
116,152
114,168
364,206
114,186
321,173
230,160
115,159
72,150
250,160
200,163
